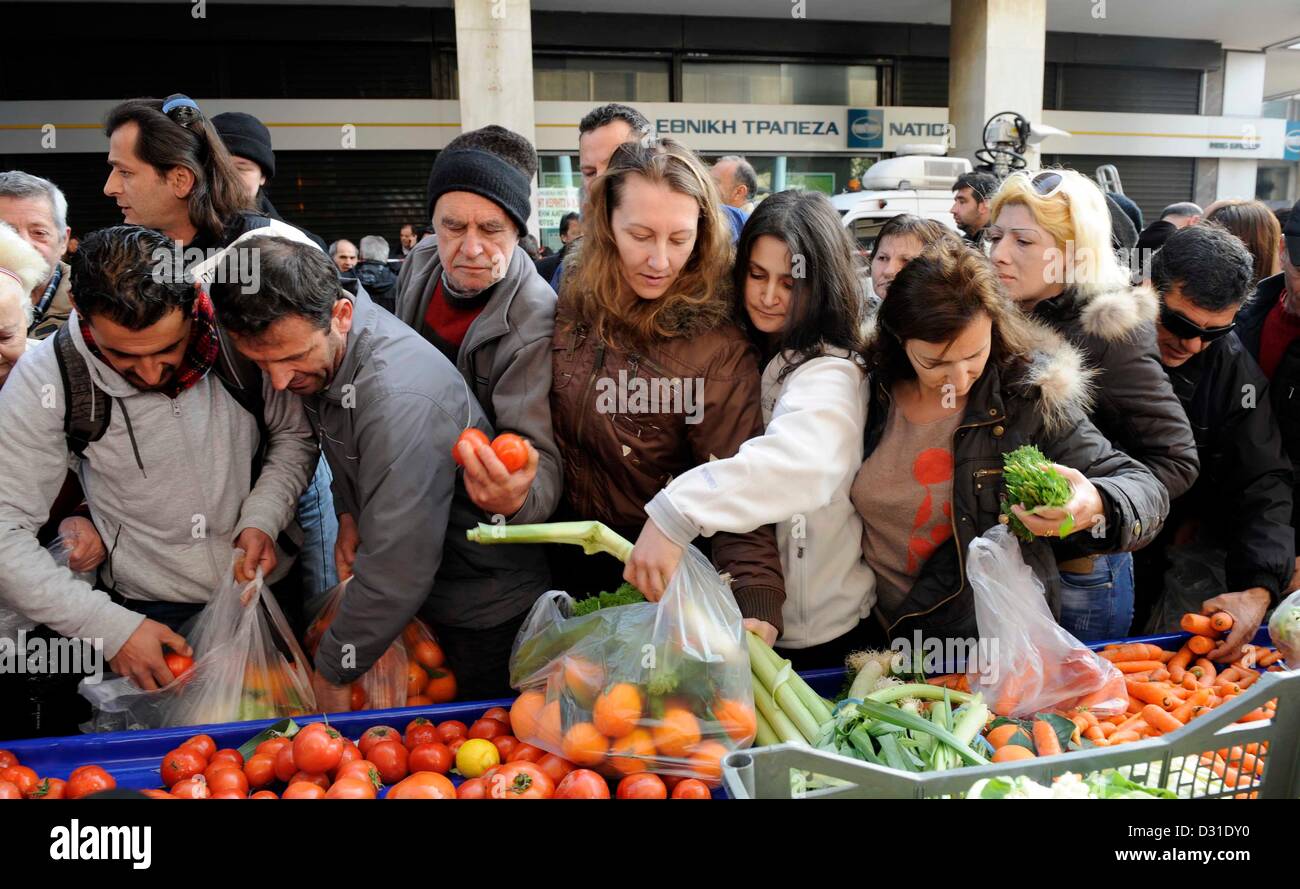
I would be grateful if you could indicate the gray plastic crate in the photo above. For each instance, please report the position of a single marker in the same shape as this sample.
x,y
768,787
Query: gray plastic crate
x,y
766,772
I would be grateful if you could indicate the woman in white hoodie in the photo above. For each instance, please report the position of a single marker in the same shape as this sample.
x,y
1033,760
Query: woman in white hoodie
x,y
798,299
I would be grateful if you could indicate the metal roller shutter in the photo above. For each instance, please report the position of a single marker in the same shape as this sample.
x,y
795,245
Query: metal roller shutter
x,y
921,82
1152,182
1130,89
81,177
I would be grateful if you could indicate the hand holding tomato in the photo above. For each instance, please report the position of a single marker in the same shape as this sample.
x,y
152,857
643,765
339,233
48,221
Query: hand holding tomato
x,y
498,476
331,698
141,658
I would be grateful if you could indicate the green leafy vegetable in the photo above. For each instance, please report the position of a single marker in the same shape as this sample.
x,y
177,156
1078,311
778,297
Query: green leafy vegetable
x,y
624,595
1032,482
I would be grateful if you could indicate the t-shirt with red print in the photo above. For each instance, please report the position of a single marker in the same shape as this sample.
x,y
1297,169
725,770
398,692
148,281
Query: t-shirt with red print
x,y
904,494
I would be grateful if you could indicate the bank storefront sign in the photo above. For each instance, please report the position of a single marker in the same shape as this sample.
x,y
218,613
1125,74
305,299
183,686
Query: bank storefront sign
x,y
1291,146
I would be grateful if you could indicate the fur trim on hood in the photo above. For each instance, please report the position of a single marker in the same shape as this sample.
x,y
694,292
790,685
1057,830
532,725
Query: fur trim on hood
x,y
1116,313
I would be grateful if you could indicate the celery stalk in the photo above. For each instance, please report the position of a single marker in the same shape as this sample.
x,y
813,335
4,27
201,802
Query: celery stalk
x,y
812,702
764,736
918,690
781,726
593,537
777,682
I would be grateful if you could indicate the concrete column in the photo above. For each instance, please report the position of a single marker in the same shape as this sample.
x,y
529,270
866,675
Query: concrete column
x,y
1243,94
494,60
995,63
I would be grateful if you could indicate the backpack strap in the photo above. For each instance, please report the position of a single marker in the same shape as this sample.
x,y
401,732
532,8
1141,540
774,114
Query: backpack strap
x,y
87,408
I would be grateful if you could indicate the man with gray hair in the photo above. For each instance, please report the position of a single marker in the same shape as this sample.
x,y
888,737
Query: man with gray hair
x,y
374,273
344,254
1182,214
1172,218
737,182
38,211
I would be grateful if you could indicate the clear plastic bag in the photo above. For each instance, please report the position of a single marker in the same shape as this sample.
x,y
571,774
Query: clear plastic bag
x,y
1196,574
660,687
11,622
1284,630
1031,664
384,685
247,665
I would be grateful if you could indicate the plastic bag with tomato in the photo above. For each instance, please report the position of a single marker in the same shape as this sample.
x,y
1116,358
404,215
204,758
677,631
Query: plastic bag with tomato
x,y
644,687
1027,663
410,673
247,665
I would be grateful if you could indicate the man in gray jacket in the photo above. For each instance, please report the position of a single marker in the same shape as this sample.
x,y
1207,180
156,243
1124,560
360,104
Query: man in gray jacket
x,y
389,408
475,294
174,466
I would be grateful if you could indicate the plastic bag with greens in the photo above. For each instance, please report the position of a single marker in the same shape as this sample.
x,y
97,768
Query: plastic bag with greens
x,y
1284,630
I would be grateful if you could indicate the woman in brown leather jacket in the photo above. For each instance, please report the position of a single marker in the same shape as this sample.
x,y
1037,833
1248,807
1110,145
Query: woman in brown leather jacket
x,y
650,374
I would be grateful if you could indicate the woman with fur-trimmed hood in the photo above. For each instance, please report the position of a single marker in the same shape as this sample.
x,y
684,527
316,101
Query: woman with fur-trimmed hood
x,y
1051,249
958,379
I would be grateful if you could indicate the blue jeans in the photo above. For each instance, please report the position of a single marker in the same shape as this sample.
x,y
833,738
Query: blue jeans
x,y
1099,605
320,530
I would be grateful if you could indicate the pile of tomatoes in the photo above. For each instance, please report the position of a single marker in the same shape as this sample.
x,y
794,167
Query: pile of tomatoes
x,y
17,781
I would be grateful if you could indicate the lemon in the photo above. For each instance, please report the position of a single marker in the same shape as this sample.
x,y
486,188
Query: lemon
x,y
476,756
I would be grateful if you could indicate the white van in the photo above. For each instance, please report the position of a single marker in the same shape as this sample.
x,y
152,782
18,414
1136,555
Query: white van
x,y
917,183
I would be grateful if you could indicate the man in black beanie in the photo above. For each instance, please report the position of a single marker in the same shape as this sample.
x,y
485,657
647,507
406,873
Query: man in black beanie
x,y
249,143
475,294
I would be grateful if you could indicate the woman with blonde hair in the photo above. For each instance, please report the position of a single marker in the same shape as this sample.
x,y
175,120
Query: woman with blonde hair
x,y
22,268
1255,226
651,375
1050,242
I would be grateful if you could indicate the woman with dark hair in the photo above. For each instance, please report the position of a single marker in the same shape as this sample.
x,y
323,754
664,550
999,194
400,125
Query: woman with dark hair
x,y
901,240
958,379
797,295
650,375
1256,226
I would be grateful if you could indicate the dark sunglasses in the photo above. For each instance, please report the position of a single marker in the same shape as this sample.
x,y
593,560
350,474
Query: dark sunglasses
x,y
1047,182
1183,328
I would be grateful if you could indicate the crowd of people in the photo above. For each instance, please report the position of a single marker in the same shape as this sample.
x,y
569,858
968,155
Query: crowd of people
x,y
830,434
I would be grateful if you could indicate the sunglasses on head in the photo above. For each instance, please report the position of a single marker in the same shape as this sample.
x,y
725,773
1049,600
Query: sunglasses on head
x,y
1182,327
1046,183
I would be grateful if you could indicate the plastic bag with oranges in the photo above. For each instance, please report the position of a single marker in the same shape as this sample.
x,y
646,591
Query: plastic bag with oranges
x,y
410,673
652,687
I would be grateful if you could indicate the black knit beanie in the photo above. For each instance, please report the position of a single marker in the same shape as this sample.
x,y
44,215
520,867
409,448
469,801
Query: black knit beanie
x,y
246,136
486,175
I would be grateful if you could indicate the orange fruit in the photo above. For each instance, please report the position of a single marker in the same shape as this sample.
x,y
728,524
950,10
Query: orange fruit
x,y
631,753
416,679
737,719
1012,752
524,713
999,736
442,685
583,679
677,733
419,701
617,710
548,729
706,761
429,654
584,745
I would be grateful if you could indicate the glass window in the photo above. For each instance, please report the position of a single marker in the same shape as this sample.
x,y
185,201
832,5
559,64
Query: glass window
x,y
780,83
1273,183
594,79
827,173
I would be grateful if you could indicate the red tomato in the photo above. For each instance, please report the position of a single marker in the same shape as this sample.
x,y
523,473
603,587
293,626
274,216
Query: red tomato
x,y
488,728
420,731
423,785
455,744
259,770
191,788
474,788
230,755
205,745
555,766
374,735
525,753
351,788
390,759
433,757
7,759
49,788
227,778
87,780
363,769
511,451
320,779
303,790
271,747
351,753
691,788
157,794
264,794
284,765
501,714
476,437
178,664
228,794
582,784
182,763
452,728
521,780
506,745
9,790
357,701
317,751
23,778
642,785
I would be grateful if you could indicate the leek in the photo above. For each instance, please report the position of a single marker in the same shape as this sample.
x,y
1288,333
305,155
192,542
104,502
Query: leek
x,y
921,690
781,726
817,708
777,682
593,537
764,736
899,717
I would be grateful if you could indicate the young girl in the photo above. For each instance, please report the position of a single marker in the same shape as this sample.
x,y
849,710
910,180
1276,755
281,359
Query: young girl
x,y
650,376
798,296
1051,248
960,378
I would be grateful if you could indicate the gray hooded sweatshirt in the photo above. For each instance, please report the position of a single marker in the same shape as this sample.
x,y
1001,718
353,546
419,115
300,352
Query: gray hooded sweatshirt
x,y
169,489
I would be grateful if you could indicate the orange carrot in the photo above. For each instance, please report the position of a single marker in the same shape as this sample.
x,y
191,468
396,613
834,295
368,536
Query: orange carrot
x,y
1160,675
1207,674
1138,666
1255,715
1159,720
1108,728
1095,734
1221,621
1178,664
1124,737
1132,651
1227,689
1045,739
1200,644
1150,693
1132,724
1198,624
1269,658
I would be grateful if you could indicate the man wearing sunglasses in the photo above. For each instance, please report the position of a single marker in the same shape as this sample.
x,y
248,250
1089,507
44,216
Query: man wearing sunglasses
x,y
1230,543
